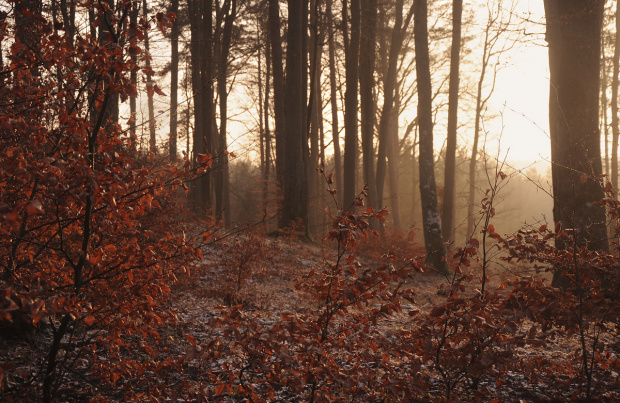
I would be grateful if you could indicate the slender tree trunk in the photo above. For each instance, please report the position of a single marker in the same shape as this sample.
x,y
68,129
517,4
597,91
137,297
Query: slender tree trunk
x,y
435,250
222,196
574,37
615,130
315,113
367,100
267,166
334,106
392,155
149,85
295,204
133,77
453,107
387,129
604,105
174,80
278,87
351,104
474,149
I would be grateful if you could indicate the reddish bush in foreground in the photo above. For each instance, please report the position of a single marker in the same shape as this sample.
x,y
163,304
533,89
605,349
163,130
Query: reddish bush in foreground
x,y
83,260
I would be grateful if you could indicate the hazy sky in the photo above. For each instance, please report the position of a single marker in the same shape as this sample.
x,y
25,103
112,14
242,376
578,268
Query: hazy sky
x,y
522,96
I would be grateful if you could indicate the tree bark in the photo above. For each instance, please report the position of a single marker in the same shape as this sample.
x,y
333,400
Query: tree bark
x,y
295,203
435,249
447,217
367,102
388,122
278,87
334,106
351,101
615,130
222,195
574,38
149,84
174,80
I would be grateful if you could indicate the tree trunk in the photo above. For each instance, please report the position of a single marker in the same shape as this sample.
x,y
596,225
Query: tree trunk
x,y
574,37
222,195
201,21
133,77
149,86
447,217
295,203
388,123
367,101
315,115
334,107
174,80
351,104
615,130
435,250
278,87
392,155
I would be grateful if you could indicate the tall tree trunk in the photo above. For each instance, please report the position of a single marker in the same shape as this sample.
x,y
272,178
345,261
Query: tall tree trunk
x,y
315,113
447,217
201,22
222,195
574,38
351,104
392,155
133,77
295,204
615,130
367,100
334,105
267,166
278,87
149,85
174,80
435,249
387,145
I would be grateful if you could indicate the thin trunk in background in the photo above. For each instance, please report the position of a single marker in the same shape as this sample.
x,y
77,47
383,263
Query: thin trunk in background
x,y
334,104
604,104
433,242
315,114
278,87
149,85
367,101
388,121
222,194
615,121
392,155
133,77
447,217
351,101
174,80
267,166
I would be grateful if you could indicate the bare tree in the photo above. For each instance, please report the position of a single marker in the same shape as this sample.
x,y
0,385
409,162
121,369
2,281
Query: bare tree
x,y
496,43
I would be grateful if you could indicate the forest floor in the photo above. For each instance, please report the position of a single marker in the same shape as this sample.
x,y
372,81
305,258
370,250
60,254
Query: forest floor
x,y
263,283
258,275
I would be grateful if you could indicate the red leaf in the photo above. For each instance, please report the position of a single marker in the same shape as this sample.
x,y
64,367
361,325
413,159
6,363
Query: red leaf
x,y
34,207
191,339
89,319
